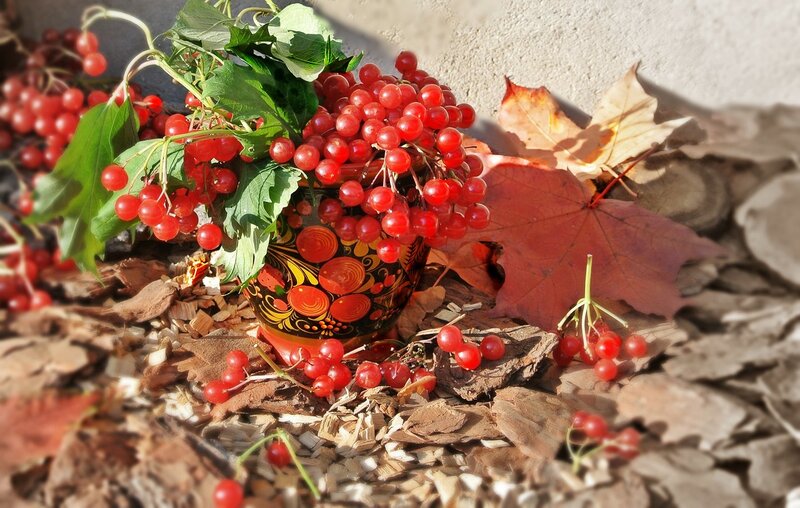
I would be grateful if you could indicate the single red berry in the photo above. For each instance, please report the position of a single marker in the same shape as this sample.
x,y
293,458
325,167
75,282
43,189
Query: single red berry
x,y
151,211
605,369
468,356
561,359
40,299
381,199
278,454
368,375
570,345
316,366
299,357
216,392
127,207
86,43
629,438
396,374
636,346
450,339
406,62
430,382
114,177
351,193
396,224
306,157
237,359
388,250
579,419
398,160
492,347
322,386
431,96
167,228
448,140
607,348
209,236
233,376
228,494
332,350
94,64
19,303
340,375
436,191
595,426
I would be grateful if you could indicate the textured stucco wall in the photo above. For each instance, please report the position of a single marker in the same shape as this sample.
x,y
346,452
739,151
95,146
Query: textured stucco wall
x,y
710,51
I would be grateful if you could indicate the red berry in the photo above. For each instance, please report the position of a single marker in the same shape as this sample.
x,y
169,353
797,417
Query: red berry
x,y
306,157
299,356
316,367
430,383
450,339
209,236
176,125
237,359
151,211
605,369
225,180
40,299
607,348
436,191
390,96
192,101
368,375
448,140
94,64
328,172
595,426
330,210
468,356
570,345
493,347
410,127
475,165
396,374
216,392
406,62
467,116
167,228
431,96
114,177
369,73
579,419
233,377
154,104
278,454
322,386
388,138
228,494
351,193
340,375
388,250
381,199
87,43
398,160
127,207
332,350
31,157
477,216
636,346
19,303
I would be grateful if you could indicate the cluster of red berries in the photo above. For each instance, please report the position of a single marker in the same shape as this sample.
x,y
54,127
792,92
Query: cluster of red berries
x,y
605,346
229,493
94,63
467,355
594,427
18,291
409,123
219,390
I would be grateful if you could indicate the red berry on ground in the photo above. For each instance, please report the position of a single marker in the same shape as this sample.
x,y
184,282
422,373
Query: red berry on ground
x,y
228,494
607,348
579,419
468,356
570,345
605,369
368,375
316,366
322,386
636,346
450,339
40,299
332,350
396,374
492,347
278,454
216,392
595,427
430,383
233,376
299,356
340,374
237,359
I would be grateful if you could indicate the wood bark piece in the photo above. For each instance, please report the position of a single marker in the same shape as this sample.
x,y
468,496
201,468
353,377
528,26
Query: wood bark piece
x,y
680,410
526,347
774,466
769,220
152,301
420,305
536,422
438,422
127,277
686,191
271,396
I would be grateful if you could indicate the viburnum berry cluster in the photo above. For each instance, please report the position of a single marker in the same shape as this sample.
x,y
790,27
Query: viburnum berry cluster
x,y
466,354
594,342
589,434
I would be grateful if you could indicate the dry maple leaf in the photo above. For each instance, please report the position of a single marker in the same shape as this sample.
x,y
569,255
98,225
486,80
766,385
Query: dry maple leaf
x,y
32,429
546,226
470,262
621,129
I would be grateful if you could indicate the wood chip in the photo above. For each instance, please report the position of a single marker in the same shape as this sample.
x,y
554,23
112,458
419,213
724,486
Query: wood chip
x,y
152,301
440,423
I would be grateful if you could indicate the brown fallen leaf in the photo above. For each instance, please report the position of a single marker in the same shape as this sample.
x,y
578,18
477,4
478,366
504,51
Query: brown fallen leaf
x,y
526,347
783,381
622,128
208,354
420,304
66,322
127,277
33,429
774,469
471,262
628,492
536,422
689,477
679,410
152,301
440,423
270,396
31,364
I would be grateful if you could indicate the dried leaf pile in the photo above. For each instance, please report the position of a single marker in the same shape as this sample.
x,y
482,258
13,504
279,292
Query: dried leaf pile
x,y
102,402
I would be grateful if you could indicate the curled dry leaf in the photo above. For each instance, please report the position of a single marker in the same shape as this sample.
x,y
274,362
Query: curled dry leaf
x,y
33,429
471,262
270,396
546,226
208,354
622,128
421,304
152,301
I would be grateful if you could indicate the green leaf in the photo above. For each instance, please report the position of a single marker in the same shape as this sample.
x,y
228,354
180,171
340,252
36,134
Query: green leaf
x,y
304,41
244,257
345,64
200,22
256,143
73,191
264,191
143,158
240,90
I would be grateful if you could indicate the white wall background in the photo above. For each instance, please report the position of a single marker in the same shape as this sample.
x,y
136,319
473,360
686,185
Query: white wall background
x,y
712,52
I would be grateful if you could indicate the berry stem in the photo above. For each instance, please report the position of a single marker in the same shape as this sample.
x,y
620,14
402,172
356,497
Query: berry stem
x,y
278,371
619,177
98,12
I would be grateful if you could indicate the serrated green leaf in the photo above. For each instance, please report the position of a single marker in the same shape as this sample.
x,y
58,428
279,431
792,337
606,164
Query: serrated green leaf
x,y
240,90
263,192
304,42
200,22
242,258
73,191
255,144
143,158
